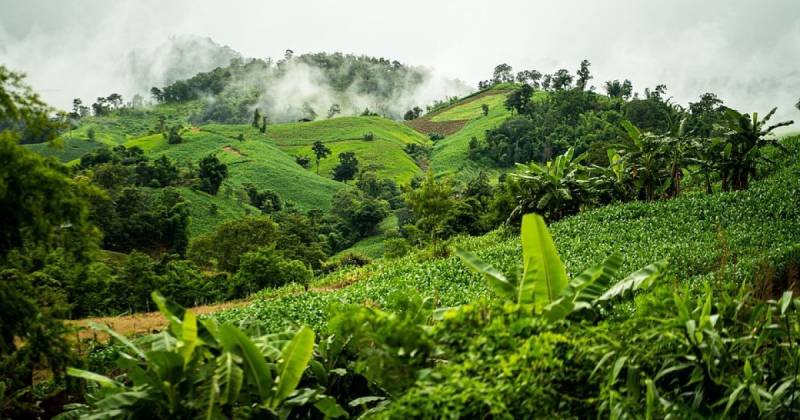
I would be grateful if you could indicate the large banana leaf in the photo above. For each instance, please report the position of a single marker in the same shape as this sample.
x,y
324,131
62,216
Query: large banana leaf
x,y
257,369
228,378
188,339
584,288
119,337
104,381
496,280
294,360
544,276
637,280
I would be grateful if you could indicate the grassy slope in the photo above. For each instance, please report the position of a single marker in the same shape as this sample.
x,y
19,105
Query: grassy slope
x,y
117,128
471,109
253,160
70,148
449,156
374,245
693,232
345,134
202,220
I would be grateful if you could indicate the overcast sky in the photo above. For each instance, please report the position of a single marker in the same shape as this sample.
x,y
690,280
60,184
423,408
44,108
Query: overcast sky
x,y
748,52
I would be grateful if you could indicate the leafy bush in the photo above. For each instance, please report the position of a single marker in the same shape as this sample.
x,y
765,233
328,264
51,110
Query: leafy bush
x,y
267,268
435,136
368,136
203,368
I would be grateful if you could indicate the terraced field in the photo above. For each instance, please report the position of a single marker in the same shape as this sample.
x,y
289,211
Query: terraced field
x,y
252,160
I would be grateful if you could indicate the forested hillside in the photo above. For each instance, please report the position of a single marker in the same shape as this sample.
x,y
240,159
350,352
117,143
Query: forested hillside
x,y
534,247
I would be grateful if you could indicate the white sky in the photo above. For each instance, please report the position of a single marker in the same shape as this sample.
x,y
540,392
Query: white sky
x,y
746,51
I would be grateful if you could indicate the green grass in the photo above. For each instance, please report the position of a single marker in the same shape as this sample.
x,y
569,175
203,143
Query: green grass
x,y
386,158
693,232
384,154
373,246
472,109
253,160
201,218
121,126
449,156
70,148
340,129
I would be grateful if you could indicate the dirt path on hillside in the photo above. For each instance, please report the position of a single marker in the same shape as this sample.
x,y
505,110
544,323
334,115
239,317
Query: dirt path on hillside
x,y
150,322
233,150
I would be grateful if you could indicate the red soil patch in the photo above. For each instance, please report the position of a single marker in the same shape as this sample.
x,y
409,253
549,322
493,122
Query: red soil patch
x,y
425,126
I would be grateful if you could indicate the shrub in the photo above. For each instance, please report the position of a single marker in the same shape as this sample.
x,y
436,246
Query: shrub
x,y
435,136
267,268
196,369
368,136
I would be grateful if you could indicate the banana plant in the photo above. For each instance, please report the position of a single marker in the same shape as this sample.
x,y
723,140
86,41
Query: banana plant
x,y
743,136
544,285
200,369
642,154
553,188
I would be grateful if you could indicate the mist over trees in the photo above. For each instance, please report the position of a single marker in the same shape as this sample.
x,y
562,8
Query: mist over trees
x,y
304,86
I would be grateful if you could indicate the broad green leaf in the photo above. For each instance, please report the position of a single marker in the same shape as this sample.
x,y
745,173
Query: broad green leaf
x,y
257,368
637,280
497,281
119,337
584,288
189,338
229,377
330,408
104,381
786,299
618,365
542,265
169,310
294,360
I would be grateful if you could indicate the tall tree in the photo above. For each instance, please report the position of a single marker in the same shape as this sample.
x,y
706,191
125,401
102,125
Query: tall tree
x,y
502,74
561,80
45,239
320,152
584,75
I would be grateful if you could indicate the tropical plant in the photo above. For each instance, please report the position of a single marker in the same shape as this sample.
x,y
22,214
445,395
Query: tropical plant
x,y
642,153
200,369
543,283
554,189
612,182
743,138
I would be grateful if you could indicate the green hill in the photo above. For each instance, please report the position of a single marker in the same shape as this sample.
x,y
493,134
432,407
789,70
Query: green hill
x,y
252,160
384,153
65,149
460,122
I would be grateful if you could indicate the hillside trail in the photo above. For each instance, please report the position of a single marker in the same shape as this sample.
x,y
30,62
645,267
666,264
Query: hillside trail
x,y
151,322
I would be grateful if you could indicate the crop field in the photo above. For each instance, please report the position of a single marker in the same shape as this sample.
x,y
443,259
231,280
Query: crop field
x,y
694,232
252,160
206,212
386,158
70,148
471,109
342,128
